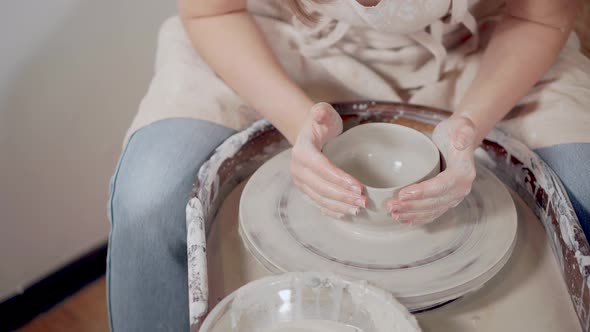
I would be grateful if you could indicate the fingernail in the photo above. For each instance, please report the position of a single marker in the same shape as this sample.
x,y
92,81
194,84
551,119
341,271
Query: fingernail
x,y
361,203
395,217
394,208
353,211
409,195
356,190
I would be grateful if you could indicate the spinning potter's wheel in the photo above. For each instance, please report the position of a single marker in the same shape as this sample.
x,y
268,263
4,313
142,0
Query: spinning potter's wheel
x,y
421,266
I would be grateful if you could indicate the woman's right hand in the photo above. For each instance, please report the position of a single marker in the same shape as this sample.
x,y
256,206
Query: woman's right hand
x,y
336,192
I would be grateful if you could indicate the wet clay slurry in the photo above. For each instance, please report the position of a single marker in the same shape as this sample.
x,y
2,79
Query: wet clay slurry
x,y
297,326
313,326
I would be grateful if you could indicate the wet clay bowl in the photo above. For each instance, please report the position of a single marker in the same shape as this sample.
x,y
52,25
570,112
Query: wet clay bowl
x,y
385,158
309,301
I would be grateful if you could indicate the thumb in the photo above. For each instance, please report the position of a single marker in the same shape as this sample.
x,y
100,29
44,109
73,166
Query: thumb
x,y
463,137
326,122
324,114
320,114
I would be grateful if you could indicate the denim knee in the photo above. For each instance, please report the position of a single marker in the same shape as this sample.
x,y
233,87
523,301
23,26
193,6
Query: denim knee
x,y
154,178
150,211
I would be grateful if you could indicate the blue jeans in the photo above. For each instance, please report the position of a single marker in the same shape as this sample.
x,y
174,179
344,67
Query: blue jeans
x,y
147,260
571,162
147,263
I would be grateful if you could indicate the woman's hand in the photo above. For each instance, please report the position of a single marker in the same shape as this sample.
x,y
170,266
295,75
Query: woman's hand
x,y
424,202
336,192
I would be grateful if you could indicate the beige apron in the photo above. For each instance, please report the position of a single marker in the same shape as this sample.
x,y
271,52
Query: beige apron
x,y
413,51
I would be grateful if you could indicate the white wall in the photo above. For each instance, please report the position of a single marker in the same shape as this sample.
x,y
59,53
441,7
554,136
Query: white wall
x,y
72,73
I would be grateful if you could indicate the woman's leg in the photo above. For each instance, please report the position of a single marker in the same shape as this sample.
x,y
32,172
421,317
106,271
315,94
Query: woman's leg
x,y
571,163
147,262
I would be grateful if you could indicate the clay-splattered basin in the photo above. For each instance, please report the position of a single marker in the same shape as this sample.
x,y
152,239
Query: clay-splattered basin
x,y
516,165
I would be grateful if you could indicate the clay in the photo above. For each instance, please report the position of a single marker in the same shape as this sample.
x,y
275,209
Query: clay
x,y
385,158
422,266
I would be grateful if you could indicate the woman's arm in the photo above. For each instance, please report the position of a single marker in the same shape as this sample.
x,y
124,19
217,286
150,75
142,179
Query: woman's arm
x,y
522,48
228,39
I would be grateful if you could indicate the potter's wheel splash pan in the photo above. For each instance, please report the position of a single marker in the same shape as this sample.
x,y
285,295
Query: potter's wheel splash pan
x,y
513,163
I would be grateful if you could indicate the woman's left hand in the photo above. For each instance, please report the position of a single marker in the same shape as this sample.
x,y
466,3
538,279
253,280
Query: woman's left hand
x,y
422,203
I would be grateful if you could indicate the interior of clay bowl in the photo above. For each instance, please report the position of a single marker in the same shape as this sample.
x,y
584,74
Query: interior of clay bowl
x,y
309,301
384,155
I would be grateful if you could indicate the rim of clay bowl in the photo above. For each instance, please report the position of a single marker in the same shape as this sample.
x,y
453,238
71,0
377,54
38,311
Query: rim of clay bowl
x,y
288,278
436,162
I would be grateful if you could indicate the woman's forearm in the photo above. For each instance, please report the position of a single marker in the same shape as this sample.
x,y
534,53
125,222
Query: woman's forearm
x,y
519,53
234,47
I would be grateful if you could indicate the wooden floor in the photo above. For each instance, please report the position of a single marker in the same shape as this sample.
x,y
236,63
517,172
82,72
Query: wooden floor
x,y
84,311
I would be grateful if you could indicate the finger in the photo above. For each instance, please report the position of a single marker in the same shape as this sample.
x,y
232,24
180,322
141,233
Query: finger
x,y
323,113
326,122
437,186
463,137
330,190
324,168
329,204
